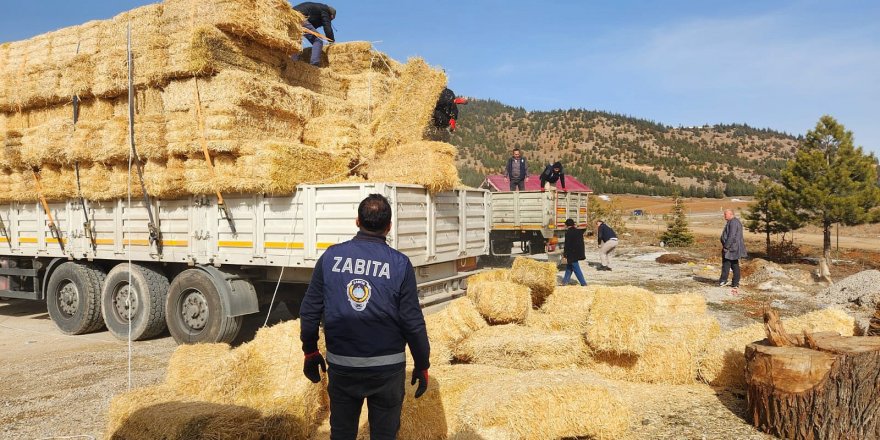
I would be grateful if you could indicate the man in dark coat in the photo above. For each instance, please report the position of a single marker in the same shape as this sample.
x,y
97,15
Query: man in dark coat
x,y
317,15
445,117
552,174
573,253
733,248
365,293
516,171
607,243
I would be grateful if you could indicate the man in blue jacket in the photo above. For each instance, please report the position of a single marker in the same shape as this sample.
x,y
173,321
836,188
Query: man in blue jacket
x,y
366,293
317,15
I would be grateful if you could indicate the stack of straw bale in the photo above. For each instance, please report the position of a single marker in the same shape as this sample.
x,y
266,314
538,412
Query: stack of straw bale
x,y
523,348
724,362
620,320
537,276
254,391
215,75
450,326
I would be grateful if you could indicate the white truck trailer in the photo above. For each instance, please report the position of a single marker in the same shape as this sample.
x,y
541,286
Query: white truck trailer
x,y
535,219
203,271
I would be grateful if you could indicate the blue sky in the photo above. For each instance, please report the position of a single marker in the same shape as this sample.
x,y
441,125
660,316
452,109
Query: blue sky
x,y
776,64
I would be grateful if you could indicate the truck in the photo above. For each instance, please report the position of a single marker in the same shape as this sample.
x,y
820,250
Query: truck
x,y
533,218
140,267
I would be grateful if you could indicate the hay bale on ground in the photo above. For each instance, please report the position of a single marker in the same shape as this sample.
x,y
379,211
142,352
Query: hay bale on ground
x,y
501,302
408,111
685,304
544,405
619,320
567,309
515,346
427,163
450,326
259,379
490,275
724,362
673,351
540,277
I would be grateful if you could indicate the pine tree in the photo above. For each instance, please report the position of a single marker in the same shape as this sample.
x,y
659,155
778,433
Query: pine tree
x,y
831,181
771,212
677,232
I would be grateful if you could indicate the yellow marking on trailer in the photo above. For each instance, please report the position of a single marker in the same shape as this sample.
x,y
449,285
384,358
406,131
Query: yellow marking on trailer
x,y
104,241
137,242
235,244
3,239
27,239
284,245
324,245
55,240
520,227
175,243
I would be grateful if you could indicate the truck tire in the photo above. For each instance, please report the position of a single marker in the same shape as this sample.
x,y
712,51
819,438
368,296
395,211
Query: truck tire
x,y
146,294
194,312
73,298
537,246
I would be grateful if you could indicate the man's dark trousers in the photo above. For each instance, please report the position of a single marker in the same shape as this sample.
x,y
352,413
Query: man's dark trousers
x,y
384,394
514,184
726,266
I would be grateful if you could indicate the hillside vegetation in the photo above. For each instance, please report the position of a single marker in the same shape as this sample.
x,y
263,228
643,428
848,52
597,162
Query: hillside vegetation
x,y
620,154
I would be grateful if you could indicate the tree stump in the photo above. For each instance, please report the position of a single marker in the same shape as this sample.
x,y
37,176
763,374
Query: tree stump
x,y
816,386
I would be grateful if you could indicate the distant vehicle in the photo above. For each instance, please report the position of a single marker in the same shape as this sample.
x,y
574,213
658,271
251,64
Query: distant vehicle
x,y
604,197
638,212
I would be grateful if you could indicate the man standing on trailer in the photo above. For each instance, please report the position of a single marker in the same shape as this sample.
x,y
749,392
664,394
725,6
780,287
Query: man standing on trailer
x,y
516,171
317,15
366,293
445,117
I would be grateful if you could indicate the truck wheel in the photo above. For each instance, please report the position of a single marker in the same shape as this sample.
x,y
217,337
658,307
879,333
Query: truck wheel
x,y
143,301
537,246
501,247
73,297
195,313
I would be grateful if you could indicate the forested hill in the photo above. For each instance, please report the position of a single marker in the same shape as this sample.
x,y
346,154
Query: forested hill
x,y
620,154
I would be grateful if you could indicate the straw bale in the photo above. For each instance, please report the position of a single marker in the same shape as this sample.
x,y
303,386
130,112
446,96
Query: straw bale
x,y
335,135
673,352
367,91
162,178
490,276
436,414
501,302
207,50
162,412
679,304
275,168
567,309
724,362
619,320
515,346
544,405
45,144
407,112
427,163
189,365
272,23
540,277
234,130
321,81
450,326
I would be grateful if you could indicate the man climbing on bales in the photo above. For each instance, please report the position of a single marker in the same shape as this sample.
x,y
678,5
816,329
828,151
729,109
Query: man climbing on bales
x,y
607,243
366,293
573,253
445,115
317,15
552,174
733,248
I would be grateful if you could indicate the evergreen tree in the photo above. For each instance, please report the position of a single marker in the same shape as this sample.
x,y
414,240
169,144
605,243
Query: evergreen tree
x,y
771,212
677,232
608,212
831,181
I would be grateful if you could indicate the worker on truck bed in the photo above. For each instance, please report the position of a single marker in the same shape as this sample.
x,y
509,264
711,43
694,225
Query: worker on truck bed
x,y
366,293
552,174
317,15
516,171
445,115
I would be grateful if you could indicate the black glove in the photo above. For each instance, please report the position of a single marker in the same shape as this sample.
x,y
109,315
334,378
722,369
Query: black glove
x,y
422,377
310,366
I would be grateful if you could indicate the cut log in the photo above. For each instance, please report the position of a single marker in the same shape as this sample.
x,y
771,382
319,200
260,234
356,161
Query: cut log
x,y
874,326
830,391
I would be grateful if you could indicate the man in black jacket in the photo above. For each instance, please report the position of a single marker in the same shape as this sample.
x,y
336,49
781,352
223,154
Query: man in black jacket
x,y
516,171
552,174
573,253
317,15
445,115
365,291
607,243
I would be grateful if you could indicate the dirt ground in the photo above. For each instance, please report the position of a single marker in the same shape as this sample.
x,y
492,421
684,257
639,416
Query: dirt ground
x,y
57,386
